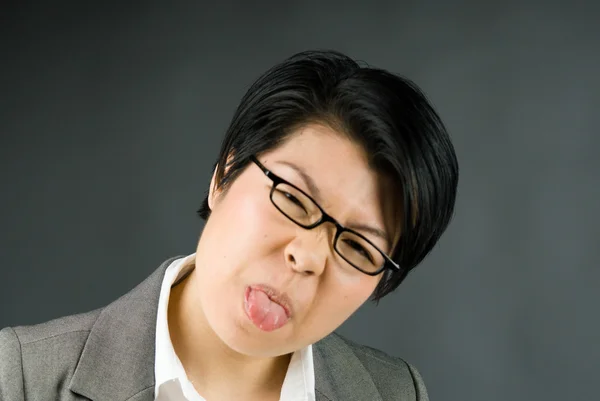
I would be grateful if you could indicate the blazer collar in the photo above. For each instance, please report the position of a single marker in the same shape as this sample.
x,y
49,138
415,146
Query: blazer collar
x,y
117,362
339,374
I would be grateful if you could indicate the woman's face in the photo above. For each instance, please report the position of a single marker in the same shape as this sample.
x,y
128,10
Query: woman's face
x,y
249,250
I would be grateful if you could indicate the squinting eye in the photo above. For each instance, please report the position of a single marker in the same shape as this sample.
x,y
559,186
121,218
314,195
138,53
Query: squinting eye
x,y
360,249
293,199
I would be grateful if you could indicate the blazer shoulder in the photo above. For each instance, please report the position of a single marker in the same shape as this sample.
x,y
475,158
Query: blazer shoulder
x,y
391,375
62,326
40,359
11,376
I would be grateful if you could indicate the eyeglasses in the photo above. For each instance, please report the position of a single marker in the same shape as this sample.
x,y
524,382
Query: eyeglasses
x,y
300,208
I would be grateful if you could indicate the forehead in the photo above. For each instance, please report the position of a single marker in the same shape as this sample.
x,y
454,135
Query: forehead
x,y
351,190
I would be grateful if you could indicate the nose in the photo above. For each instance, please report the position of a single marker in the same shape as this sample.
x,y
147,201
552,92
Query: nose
x,y
307,252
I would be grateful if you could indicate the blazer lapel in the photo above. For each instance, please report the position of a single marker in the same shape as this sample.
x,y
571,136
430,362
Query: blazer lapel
x,y
117,362
339,374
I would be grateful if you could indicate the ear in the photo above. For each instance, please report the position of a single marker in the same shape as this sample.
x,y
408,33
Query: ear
x,y
212,190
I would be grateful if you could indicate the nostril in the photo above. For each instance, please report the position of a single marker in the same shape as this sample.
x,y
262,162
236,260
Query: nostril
x,y
291,259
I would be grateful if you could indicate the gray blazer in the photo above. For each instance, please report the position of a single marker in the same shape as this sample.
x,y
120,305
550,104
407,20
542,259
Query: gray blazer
x,y
108,355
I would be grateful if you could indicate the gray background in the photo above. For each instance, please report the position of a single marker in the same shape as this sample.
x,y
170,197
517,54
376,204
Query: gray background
x,y
111,117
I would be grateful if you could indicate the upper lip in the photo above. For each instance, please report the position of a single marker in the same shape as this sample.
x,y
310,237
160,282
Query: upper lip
x,y
280,298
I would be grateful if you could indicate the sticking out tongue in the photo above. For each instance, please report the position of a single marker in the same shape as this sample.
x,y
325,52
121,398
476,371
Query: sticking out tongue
x,y
264,313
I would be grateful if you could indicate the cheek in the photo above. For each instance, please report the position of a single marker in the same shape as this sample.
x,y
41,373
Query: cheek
x,y
354,287
239,229
228,245
338,298
238,215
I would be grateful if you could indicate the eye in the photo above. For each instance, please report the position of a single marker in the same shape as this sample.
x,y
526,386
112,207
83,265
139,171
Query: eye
x,y
292,200
359,249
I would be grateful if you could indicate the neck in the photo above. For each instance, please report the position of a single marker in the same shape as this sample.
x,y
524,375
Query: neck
x,y
217,371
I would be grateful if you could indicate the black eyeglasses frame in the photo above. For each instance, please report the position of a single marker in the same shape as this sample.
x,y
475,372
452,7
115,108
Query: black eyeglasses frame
x,y
388,263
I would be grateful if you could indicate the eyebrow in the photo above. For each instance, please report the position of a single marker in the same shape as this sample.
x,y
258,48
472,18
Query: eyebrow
x,y
314,189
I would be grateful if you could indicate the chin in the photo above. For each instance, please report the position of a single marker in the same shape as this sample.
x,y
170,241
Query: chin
x,y
240,335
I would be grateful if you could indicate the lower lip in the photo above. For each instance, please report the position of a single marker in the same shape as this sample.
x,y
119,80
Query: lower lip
x,y
269,322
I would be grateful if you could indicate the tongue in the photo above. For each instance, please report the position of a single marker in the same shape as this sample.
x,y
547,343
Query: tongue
x,y
264,313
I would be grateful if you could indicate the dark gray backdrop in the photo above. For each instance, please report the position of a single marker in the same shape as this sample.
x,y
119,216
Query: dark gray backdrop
x,y
111,116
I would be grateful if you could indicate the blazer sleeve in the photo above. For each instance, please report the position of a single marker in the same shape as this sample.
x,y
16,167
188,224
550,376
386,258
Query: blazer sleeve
x,y
420,390
11,367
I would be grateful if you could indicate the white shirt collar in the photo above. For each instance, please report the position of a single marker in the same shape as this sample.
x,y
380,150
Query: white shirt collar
x,y
172,383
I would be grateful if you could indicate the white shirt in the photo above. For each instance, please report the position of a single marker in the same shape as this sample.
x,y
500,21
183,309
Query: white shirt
x,y
172,383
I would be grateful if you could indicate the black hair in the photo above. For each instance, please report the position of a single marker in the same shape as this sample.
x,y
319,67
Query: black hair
x,y
386,114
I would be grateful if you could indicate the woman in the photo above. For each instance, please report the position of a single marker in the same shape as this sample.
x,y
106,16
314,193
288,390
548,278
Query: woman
x,y
333,182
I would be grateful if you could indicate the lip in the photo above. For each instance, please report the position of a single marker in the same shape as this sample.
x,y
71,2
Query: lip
x,y
280,298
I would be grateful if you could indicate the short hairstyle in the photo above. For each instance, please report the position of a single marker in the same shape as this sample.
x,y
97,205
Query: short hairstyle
x,y
386,114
